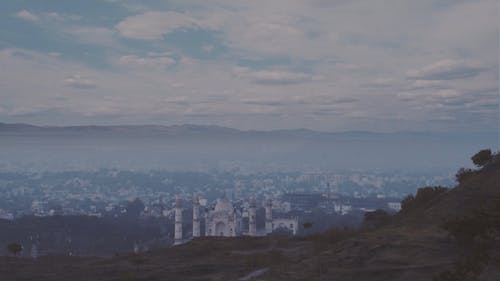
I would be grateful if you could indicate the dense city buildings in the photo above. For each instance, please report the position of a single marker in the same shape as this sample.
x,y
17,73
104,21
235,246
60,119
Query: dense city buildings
x,y
108,192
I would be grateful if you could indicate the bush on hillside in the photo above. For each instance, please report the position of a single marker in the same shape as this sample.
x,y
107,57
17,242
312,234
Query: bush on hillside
x,y
407,202
468,229
321,241
482,158
376,219
463,174
424,195
477,234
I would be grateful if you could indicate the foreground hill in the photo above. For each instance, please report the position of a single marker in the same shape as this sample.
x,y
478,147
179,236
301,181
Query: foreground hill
x,y
440,233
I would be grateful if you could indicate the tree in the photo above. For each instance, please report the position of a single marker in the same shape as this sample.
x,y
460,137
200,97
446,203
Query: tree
x,y
376,218
307,228
482,158
476,235
407,202
14,248
463,174
134,208
423,196
282,231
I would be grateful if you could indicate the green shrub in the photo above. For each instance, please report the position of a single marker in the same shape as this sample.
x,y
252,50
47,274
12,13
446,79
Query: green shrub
x,y
463,174
407,202
477,235
480,226
423,196
376,219
482,158
14,248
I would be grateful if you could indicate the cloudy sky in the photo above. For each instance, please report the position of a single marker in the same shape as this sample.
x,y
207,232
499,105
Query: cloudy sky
x,y
333,65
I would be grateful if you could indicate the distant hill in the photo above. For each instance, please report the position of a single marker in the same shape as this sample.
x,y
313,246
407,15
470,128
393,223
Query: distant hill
x,y
199,147
192,129
130,130
449,234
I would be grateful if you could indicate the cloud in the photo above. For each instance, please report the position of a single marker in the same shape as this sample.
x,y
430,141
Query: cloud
x,y
446,94
154,25
63,17
26,15
288,57
381,83
279,77
153,61
345,100
426,84
79,82
50,16
264,103
447,70
275,77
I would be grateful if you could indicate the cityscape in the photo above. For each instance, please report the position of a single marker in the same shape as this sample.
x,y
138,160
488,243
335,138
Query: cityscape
x,y
105,191
222,140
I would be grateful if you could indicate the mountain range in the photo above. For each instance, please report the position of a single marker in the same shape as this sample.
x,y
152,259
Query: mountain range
x,y
199,147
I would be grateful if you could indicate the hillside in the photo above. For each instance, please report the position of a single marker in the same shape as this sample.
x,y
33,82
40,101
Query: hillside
x,y
451,235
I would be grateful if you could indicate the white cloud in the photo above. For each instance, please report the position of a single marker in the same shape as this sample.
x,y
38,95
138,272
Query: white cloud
x,y
442,94
447,70
26,15
426,84
63,17
154,25
274,77
79,82
50,16
312,59
152,61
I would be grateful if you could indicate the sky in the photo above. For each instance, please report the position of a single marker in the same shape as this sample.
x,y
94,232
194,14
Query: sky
x,y
330,65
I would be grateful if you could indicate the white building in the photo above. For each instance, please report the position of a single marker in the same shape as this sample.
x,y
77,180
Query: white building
x,y
287,224
178,221
269,216
252,217
5,215
196,216
40,208
396,206
224,220
343,209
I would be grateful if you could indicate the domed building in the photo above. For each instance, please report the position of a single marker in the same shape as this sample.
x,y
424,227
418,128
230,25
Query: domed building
x,y
223,220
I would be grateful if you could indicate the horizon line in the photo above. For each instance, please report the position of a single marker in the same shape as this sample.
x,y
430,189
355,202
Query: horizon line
x,y
240,130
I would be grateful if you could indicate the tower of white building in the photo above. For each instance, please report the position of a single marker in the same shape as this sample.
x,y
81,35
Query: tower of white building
x,y
196,216
207,223
269,216
178,221
252,223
